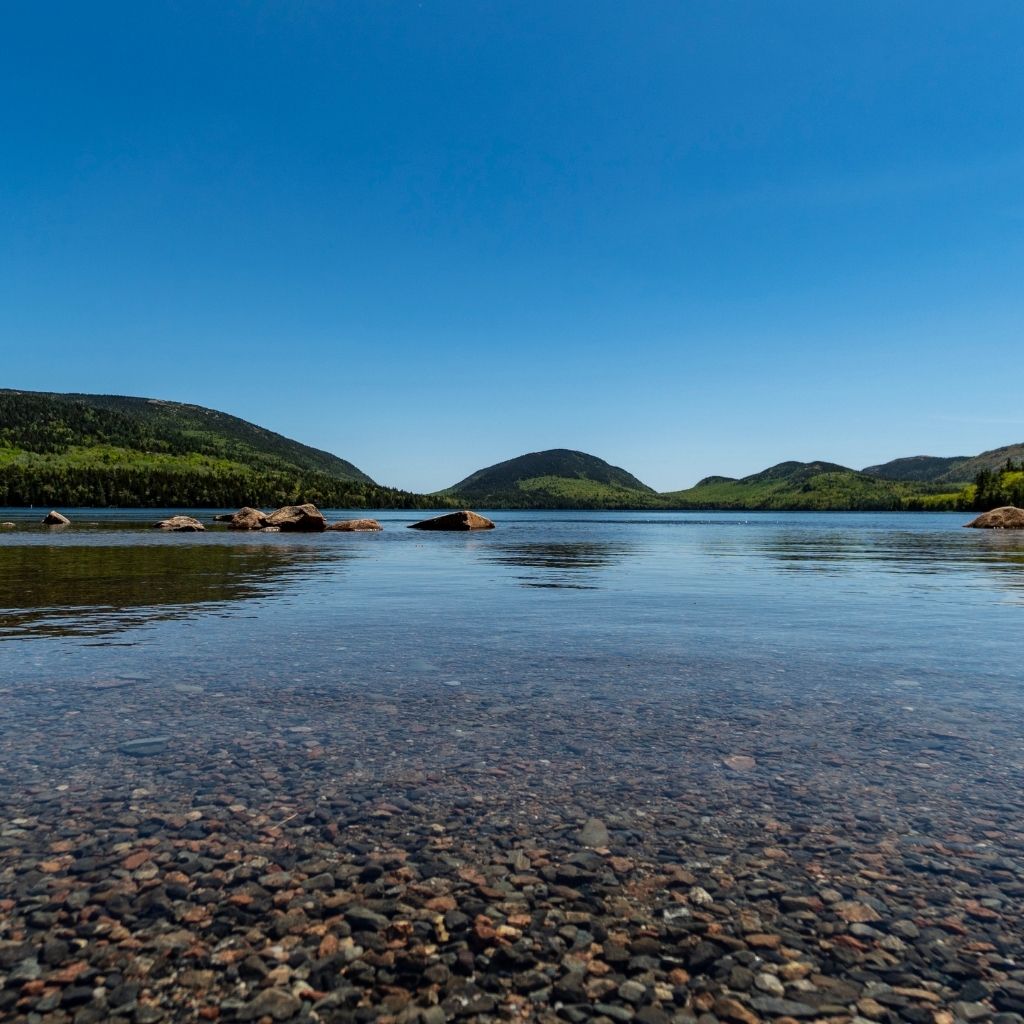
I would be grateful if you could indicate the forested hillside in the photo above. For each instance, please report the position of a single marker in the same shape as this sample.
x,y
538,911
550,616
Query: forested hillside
x,y
102,450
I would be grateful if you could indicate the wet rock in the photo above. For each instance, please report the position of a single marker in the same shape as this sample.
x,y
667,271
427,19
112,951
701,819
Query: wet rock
x,y
464,520
180,524
594,833
145,746
298,519
247,519
275,1003
1006,518
355,526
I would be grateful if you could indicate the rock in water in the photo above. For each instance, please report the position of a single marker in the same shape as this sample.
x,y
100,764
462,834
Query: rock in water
x,y
7,526
180,524
298,519
1006,518
464,520
356,526
275,1003
594,833
56,519
247,519
740,762
146,746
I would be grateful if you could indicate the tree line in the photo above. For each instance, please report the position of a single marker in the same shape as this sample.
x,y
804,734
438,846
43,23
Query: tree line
x,y
160,487
998,487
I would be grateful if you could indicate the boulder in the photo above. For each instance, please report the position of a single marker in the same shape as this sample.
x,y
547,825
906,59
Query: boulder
x,y
56,519
7,526
464,520
298,519
1006,518
180,524
247,519
356,526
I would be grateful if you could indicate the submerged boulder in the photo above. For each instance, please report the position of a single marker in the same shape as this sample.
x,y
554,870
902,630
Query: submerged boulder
x,y
298,519
356,526
180,524
464,520
247,519
56,519
1008,517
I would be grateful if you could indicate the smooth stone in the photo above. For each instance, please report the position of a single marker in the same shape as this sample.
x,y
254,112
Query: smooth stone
x,y
1006,518
464,520
355,526
298,519
56,519
146,746
247,519
594,833
180,524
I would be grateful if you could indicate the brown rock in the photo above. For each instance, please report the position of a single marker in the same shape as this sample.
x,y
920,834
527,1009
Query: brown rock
x,y
7,526
247,519
56,519
855,912
180,524
356,526
298,519
464,520
740,762
1006,518
727,1008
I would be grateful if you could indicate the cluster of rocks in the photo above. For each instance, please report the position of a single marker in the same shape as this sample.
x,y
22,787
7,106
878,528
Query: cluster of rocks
x,y
305,518
288,853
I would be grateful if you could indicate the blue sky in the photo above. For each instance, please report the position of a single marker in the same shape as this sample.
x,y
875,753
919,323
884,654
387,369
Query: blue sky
x,y
690,238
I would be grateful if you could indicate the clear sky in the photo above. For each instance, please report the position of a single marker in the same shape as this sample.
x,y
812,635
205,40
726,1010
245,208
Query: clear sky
x,y
689,237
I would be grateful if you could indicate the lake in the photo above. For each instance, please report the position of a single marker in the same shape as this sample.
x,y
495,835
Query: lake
x,y
796,739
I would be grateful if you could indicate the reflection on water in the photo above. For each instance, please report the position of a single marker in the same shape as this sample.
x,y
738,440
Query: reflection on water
x,y
904,551
572,565
91,590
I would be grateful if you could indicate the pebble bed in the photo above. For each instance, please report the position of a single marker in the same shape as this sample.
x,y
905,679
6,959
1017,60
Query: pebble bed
x,y
283,853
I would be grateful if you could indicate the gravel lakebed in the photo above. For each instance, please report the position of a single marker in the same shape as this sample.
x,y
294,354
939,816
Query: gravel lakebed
x,y
277,852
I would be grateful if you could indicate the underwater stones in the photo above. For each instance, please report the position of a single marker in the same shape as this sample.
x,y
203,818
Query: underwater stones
x,y
594,833
146,746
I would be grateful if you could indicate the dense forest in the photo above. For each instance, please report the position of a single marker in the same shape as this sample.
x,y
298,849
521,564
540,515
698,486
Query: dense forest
x,y
56,483
102,450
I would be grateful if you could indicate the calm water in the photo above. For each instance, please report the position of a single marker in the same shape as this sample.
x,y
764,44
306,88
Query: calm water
x,y
221,739
743,604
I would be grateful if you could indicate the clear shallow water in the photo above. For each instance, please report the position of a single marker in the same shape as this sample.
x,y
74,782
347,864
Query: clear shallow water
x,y
764,712
739,603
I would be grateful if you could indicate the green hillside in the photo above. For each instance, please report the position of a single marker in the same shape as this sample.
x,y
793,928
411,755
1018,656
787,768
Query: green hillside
x,y
956,469
558,478
817,486
106,450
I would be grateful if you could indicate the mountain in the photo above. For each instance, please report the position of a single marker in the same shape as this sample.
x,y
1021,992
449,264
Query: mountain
x,y
956,469
49,422
916,467
77,449
558,478
821,486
